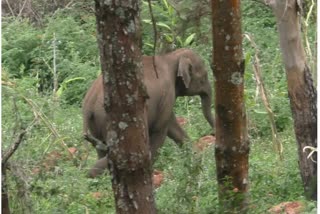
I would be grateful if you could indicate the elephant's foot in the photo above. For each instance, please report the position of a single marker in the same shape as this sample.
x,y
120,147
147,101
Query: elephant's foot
x,y
99,168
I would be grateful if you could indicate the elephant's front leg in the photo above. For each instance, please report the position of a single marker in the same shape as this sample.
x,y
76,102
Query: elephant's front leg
x,y
175,132
156,141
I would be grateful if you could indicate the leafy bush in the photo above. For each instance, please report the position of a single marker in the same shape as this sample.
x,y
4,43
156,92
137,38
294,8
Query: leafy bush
x,y
19,43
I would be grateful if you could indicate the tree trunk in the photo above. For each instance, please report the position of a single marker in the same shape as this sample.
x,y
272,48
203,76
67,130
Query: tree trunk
x,y
232,145
302,93
5,208
129,159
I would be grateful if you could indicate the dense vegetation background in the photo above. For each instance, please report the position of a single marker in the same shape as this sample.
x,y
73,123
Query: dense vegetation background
x,y
49,176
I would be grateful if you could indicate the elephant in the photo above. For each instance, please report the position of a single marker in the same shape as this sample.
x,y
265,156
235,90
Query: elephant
x,y
180,73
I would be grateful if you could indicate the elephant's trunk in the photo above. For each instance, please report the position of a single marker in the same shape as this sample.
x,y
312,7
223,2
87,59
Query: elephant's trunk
x,y
206,100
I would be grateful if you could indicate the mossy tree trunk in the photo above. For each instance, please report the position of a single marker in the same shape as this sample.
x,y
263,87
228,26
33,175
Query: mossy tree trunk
x,y
232,145
301,90
129,159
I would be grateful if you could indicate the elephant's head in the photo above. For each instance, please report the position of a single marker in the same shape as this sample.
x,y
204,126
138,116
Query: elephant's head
x,y
192,79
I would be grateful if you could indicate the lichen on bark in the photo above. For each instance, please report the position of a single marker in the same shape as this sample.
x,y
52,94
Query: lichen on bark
x,y
129,161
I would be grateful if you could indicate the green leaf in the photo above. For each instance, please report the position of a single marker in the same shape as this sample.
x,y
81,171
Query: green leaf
x,y
149,44
65,83
189,39
179,40
160,24
247,59
147,21
260,112
74,79
166,4
168,38
60,91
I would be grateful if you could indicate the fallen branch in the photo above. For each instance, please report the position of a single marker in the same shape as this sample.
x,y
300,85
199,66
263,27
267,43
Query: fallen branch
x,y
257,72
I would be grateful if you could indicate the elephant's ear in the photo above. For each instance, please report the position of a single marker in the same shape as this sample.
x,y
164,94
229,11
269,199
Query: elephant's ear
x,y
184,70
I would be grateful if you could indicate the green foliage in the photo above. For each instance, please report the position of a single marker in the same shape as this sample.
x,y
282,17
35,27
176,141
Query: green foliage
x,y
190,177
54,189
28,51
259,22
169,36
19,41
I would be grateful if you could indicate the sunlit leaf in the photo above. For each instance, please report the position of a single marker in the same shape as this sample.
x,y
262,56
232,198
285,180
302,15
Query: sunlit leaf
x,y
168,38
189,39
161,24
65,83
260,112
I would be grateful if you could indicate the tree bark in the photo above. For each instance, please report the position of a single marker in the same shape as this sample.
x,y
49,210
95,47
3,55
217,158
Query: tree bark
x,y
5,208
129,159
232,145
302,93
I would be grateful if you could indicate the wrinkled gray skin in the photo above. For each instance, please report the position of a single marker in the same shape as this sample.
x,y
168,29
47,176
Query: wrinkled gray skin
x,y
181,73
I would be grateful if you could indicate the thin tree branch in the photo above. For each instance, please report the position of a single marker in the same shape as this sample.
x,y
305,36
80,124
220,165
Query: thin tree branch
x,y
13,147
24,4
155,37
9,6
69,4
55,74
17,117
308,50
17,142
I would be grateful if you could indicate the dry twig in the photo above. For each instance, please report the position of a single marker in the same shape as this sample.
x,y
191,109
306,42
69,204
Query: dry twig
x,y
257,72
22,8
45,120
